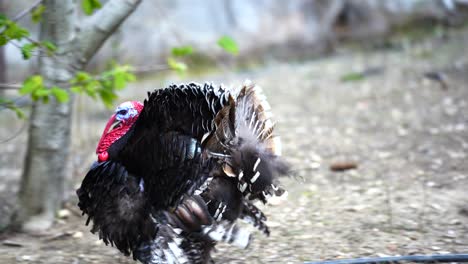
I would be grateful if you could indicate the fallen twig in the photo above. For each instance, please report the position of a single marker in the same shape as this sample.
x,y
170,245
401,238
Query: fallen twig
x,y
10,243
343,166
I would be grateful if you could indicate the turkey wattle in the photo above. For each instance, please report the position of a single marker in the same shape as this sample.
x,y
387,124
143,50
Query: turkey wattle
x,y
175,174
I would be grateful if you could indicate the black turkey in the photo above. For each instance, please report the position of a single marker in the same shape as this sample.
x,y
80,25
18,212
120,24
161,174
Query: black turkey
x,y
175,173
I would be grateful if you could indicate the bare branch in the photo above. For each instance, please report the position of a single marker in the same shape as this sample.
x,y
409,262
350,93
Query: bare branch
x,y
16,134
136,70
149,69
101,25
26,11
8,86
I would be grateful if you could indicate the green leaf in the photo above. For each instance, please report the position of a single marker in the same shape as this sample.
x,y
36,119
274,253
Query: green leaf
x,y
76,89
36,14
130,77
27,49
51,48
120,81
120,76
60,94
31,84
3,20
80,77
19,113
179,67
108,97
45,99
182,51
91,88
90,5
13,31
42,92
3,40
228,44
8,104
352,77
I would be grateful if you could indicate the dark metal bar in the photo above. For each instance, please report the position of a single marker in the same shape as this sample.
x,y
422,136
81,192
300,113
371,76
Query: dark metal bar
x,y
386,260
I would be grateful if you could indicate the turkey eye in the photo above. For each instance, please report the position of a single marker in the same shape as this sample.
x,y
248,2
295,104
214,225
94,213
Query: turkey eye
x,y
122,112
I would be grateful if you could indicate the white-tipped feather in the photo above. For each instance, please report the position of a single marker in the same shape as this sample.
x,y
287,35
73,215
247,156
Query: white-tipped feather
x,y
255,177
277,147
256,164
242,186
205,136
266,106
268,124
241,174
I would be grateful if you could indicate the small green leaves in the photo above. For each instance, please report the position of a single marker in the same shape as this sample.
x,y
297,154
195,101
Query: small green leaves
x,y
34,86
60,94
80,77
120,75
9,104
36,14
51,48
90,5
3,20
31,84
11,31
182,51
108,97
105,85
27,49
228,44
179,67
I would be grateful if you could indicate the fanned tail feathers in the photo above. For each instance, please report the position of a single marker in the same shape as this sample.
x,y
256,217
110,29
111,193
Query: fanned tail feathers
x,y
244,133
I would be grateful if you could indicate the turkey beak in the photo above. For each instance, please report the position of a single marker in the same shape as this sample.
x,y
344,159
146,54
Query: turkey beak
x,y
114,125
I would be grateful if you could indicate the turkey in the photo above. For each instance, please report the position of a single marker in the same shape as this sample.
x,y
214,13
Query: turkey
x,y
176,173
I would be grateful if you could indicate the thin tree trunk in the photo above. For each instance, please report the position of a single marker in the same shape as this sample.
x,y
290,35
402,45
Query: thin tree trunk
x,y
46,162
3,78
47,159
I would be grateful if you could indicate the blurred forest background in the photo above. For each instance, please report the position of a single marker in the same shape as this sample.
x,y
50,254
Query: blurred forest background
x,y
371,99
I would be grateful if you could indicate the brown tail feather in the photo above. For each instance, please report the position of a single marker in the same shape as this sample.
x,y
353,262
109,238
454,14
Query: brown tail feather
x,y
244,137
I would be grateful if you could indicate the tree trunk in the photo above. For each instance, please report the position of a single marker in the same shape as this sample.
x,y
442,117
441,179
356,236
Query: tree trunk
x,y
47,159
46,162
3,78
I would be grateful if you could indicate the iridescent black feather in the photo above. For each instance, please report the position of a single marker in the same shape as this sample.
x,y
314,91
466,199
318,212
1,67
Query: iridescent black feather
x,y
184,173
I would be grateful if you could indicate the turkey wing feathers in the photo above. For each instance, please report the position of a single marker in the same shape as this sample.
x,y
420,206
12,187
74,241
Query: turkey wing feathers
x,y
113,199
164,144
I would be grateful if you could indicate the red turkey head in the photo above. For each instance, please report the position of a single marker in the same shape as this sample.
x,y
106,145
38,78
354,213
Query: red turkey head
x,y
119,123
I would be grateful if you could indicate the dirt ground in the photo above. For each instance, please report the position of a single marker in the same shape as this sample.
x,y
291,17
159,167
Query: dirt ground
x,y
407,134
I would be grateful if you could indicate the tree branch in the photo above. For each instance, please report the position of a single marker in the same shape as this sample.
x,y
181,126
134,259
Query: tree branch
x,y
8,86
101,25
26,11
149,69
